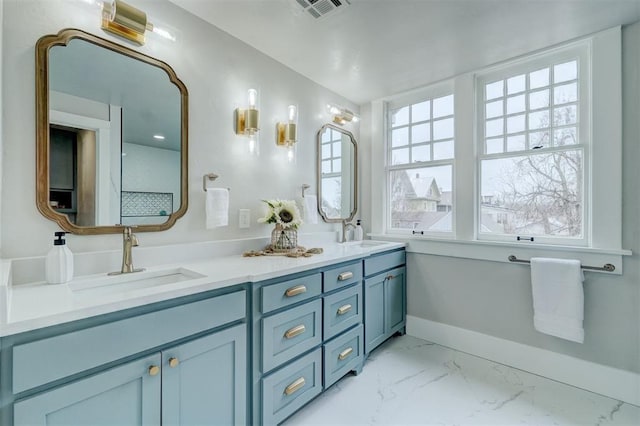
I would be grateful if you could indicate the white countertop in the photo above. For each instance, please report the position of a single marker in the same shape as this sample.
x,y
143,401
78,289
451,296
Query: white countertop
x,y
31,306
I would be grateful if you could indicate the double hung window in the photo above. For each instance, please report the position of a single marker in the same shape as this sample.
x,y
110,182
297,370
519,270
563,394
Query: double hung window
x,y
420,153
533,146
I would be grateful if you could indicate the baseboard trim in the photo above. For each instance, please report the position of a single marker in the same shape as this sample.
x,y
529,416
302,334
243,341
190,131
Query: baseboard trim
x,y
608,381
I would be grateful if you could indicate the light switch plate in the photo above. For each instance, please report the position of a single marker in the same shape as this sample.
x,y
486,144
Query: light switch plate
x,y
244,218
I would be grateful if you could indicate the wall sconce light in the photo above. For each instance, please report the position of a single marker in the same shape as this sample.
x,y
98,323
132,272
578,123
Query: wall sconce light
x,y
342,115
129,22
287,133
247,122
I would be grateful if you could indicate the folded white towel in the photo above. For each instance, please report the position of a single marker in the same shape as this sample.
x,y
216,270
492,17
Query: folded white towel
x,y
309,209
558,297
217,207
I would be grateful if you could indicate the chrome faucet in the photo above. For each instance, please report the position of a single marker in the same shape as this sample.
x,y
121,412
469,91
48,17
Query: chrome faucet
x,y
345,226
129,240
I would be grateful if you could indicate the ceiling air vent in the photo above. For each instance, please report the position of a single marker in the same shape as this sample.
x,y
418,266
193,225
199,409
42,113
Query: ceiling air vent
x,y
322,8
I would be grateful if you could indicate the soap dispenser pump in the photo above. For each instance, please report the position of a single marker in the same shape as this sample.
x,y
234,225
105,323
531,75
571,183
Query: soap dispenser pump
x,y
59,261
358,232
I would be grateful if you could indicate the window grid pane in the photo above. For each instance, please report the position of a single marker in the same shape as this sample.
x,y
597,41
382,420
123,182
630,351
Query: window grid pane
x,y
331,152
535,103
415,129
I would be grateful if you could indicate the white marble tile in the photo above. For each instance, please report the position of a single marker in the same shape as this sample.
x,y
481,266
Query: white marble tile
x,y
408,381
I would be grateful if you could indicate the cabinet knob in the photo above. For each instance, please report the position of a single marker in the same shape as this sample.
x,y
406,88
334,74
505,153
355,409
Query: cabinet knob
x,y
154,370
345,276
390,277
173,362
294,291
344,354
293,332
344,309
295,386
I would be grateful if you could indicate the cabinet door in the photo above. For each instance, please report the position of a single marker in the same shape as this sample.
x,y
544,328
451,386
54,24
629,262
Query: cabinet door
x,y
374,312
384,309
204,381
395,300
124,395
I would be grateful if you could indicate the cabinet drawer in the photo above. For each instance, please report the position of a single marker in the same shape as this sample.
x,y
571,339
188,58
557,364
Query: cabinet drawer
x,y
382,262
286,390
293,291
290,333
342,355
342,310
53,358
342,276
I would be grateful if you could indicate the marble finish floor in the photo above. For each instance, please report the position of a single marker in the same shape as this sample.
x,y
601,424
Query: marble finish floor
x,y
408,381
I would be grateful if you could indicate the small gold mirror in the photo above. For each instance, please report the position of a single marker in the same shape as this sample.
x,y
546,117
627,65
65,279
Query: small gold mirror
x,y
111,129
337,174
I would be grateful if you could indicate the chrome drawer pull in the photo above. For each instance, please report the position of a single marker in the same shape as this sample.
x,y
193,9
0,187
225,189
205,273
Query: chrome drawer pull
x,y
345,353
344,309
345,276
293,332
294,291
295,386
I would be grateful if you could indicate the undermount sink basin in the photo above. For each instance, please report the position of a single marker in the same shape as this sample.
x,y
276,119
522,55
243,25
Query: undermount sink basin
x,y
365,243
134,281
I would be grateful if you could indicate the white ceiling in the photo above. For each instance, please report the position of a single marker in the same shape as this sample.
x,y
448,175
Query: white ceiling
x,y
376,48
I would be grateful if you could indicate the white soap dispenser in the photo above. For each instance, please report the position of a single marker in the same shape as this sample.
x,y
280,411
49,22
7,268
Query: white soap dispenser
x,y
59,262
358,232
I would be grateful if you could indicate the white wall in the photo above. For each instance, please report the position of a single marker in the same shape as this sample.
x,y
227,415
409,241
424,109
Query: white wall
x,y
217,70
494,298
1,115
148,169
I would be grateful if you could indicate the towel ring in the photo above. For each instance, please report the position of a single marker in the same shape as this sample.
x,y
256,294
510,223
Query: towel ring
x,y
208,176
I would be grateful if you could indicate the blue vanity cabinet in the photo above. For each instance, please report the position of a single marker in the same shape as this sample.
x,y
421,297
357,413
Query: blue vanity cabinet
x,y
384,297
307,334
177,362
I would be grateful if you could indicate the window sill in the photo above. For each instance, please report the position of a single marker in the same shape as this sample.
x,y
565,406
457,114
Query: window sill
x,y
500,252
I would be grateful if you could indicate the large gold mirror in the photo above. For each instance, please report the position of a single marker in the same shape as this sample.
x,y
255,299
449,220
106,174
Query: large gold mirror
x,y
111,136
337,174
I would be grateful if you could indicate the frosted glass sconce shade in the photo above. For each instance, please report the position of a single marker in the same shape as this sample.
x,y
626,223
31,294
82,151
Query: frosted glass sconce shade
x,y
129,22
247,121
341,115
287,133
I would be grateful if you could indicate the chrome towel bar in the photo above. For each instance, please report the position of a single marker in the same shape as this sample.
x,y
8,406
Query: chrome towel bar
x,y
607,267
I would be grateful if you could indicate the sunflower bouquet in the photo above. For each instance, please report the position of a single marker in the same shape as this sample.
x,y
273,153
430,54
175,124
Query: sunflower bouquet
x,y
286,216
282,212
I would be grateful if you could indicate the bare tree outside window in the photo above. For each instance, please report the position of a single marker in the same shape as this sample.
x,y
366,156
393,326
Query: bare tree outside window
x,y
532,176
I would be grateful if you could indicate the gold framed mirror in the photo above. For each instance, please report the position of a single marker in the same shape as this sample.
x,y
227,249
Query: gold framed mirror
x,y
111,136
337,174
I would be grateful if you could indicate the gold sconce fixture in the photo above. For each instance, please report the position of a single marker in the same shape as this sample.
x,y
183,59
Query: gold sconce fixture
x,y
129,22
248,122
287,133
342,115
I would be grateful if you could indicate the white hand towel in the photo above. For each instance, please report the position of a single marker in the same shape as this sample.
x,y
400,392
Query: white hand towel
x,y
309,209
217,207
558,297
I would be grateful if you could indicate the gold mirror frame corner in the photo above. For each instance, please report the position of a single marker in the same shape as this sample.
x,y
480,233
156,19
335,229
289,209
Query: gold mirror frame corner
x,y
319,173
43,45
